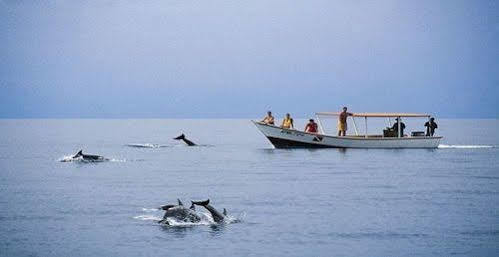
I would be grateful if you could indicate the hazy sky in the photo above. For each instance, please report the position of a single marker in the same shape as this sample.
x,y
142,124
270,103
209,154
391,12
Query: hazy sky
x,y
229,59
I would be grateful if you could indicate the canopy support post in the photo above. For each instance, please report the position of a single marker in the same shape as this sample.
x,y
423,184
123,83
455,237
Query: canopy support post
x,y
321,129
398,124
355,126
365,120
427,129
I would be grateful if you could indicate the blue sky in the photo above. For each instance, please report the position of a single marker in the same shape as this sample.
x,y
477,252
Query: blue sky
x,y
236,59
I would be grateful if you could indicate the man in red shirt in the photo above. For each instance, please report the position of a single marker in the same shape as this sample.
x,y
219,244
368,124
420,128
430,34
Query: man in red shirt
x,y
311,126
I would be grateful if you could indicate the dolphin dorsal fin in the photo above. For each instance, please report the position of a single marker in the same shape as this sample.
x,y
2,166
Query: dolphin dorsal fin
x,y
193,207
225,212
202,203
182,136
180,202
78,154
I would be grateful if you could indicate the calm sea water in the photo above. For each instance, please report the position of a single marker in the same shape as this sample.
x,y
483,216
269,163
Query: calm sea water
x,y
326,202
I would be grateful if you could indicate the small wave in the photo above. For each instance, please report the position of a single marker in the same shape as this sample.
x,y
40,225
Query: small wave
x,y
146,145
481,233
464,146
379,235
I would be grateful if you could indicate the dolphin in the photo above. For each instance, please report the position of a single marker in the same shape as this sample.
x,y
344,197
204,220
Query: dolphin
x,y
88,157
180,213
182,137
217,216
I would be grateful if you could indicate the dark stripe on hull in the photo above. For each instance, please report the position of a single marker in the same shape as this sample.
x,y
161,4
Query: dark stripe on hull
x,y
285,143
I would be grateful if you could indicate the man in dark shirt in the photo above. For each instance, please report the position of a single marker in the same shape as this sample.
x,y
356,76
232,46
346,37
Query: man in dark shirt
x,y
430,127
395,127
269,119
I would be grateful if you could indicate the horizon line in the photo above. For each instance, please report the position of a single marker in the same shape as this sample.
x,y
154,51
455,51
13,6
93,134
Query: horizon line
x,y
191,118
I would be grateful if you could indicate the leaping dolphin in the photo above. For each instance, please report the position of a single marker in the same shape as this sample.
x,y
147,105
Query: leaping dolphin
x,y
182,137
88,157
217,216
180,213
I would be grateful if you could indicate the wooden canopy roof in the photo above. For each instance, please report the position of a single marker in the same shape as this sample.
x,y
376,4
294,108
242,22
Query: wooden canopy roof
x,y
378,114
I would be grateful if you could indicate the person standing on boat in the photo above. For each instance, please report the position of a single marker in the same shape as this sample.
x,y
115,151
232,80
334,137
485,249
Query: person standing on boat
x,y
287,123
311,126
395,127
430,127
269,119
342,122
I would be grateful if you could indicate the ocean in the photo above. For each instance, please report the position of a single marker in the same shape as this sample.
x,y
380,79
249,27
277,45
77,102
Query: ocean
x,y
302,202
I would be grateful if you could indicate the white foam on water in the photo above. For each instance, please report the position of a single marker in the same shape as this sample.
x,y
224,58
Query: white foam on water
x,y
150,209
464,146
176,223
69,158
148,217
116,160
146,145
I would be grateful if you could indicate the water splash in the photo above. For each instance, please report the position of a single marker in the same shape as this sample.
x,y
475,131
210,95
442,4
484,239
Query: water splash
x,y
177,223
206,219
69,158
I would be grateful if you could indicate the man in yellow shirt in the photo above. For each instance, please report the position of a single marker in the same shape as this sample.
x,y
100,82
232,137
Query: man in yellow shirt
x,y
342,122
287,123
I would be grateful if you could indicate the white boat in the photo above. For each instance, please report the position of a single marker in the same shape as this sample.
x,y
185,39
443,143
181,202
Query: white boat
x,y
291,138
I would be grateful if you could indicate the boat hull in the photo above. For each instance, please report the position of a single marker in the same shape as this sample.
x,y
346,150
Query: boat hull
x,y
289,138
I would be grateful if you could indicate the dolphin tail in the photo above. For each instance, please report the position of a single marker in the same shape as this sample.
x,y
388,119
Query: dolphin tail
x,y
180,202
217,216
181,137
202,203
225,212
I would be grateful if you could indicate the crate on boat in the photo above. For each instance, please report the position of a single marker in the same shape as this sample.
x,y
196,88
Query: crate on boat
x,y
417,134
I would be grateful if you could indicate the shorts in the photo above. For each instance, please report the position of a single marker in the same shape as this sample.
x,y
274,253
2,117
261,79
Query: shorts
x,y
342,126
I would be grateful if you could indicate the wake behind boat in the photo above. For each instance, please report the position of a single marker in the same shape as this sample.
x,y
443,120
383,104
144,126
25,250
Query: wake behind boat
x,y
290,138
